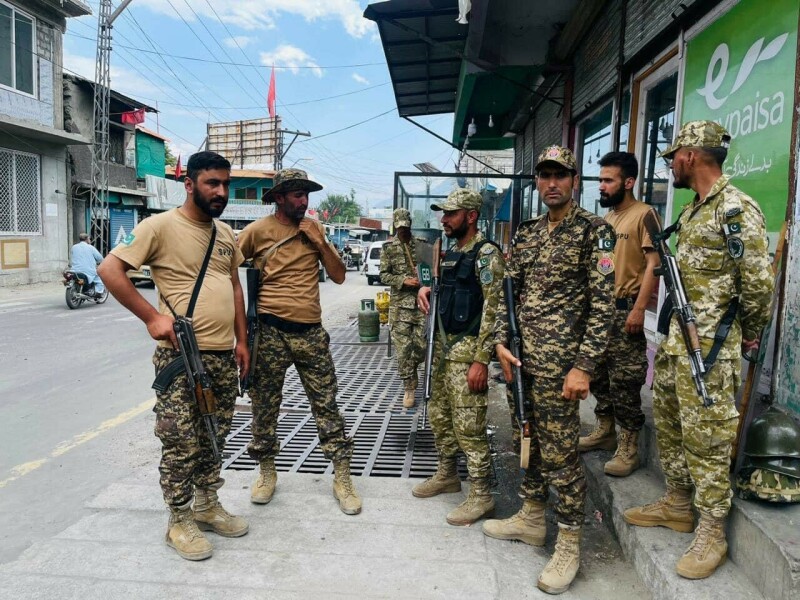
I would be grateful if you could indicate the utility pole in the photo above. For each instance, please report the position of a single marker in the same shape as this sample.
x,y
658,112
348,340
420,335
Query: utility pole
x,y
98,201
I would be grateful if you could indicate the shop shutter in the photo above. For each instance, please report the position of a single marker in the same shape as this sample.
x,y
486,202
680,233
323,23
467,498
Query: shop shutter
x,y
122,223
646,19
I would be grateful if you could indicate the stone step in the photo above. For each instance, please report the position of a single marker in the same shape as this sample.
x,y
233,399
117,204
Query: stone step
x,y
763,539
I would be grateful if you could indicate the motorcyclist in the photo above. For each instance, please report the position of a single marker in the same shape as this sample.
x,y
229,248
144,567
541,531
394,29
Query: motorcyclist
x,y
84,258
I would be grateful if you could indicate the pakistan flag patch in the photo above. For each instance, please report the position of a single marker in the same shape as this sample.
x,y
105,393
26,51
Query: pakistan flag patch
x,y
128,239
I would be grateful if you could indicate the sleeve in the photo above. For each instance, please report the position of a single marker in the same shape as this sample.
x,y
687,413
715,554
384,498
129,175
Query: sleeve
x,y
139,246
491,279
514,271
97,256
387,276
246,242
601,294
647,243
755,270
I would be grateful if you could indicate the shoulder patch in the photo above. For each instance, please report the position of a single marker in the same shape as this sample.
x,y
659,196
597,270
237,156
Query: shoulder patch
x,y
605,264
128,240
735,247
605,244
732,212
487,249
732,228
486,276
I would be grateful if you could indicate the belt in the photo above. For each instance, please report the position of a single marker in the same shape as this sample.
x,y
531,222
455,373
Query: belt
x,y
625,303
284,325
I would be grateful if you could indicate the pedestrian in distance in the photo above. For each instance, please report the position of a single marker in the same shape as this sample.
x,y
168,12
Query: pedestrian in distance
x,y
562,267
470,279
287,248
175,245
620,375
722,254
406,322
84,257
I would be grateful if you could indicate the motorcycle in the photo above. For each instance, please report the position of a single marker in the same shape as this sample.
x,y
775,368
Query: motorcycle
x,y
79,290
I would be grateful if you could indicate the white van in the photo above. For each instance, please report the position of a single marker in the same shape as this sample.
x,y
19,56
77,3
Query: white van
x,y
372,268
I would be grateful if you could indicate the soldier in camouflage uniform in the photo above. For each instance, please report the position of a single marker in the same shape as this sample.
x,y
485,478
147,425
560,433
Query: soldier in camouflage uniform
x,y
406,321
721,249
618,379
562,265
174,245
470,280
287,247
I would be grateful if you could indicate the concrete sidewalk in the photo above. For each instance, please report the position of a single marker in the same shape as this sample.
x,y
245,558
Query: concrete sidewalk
x,y
299,546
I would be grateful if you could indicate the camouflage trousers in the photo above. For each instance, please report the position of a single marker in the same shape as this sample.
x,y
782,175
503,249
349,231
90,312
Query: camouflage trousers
x,y
618,379
408,337
187,459
695,442
310,353
458,417
554,458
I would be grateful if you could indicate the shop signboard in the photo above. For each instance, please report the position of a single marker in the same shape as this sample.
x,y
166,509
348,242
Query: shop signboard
x,y
740,72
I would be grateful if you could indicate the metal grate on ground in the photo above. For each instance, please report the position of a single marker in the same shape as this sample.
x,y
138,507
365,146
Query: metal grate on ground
x,y
387,437
386,445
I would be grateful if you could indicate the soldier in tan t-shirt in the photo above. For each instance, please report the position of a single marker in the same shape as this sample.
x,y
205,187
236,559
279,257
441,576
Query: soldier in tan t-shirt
x,y
287,247
618,381
174,245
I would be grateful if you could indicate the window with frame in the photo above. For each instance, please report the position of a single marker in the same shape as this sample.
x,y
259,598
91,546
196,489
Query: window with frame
x,y
20,193
248,193
17,38
595,141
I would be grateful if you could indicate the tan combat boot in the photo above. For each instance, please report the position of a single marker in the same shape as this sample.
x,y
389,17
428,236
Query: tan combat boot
x,y
408,398
211,516
526,526
343,489
444,481
563,566
184,535
602,437
673,510
626,458
264,485
479,503
708,550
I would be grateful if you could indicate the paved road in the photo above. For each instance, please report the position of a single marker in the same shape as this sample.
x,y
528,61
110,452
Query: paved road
x,y
76,399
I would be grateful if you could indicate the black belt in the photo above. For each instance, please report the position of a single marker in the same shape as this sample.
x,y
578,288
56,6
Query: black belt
x,y
625,303
286,326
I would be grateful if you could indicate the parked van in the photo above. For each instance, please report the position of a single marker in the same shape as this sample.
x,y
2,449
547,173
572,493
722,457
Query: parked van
x,y
372,267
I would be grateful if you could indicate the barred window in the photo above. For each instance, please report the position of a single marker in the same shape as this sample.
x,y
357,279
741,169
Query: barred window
x,y
17,37
20,195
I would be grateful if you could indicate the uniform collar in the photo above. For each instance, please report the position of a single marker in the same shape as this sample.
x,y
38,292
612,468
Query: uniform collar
x,y
718,186
471,244
568,218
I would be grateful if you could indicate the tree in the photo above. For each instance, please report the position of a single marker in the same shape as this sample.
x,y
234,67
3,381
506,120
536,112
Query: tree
x,y
169,157
340,208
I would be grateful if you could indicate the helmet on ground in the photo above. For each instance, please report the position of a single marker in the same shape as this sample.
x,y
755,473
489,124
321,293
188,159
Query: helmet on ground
x,y
773,434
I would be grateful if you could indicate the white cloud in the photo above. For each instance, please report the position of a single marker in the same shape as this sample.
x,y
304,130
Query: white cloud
x,y
263,14
238,41
291,58
360,79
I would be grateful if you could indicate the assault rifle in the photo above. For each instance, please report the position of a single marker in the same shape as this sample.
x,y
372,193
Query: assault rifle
x,y
521,406
432,314
253,283
191,363
678,303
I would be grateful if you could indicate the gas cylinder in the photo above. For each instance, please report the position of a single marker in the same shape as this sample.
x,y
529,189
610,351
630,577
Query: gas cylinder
x,y
382,303
369,325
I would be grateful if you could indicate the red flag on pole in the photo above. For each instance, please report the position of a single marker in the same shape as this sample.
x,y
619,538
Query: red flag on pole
x,y
133,117
178,170
271,94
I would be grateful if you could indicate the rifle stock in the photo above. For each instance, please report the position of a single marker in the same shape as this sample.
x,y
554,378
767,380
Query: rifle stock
x,y
671,275
432,313
521,406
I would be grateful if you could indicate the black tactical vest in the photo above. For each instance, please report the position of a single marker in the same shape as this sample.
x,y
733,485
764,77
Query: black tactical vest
x,y
460,292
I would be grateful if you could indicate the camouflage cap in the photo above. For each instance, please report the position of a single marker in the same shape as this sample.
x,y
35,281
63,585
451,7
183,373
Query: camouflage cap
x,y
460,198
290,180
699,134
558,155
401,218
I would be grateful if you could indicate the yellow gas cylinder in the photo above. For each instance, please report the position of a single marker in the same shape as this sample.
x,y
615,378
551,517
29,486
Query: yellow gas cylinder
x,y
382,304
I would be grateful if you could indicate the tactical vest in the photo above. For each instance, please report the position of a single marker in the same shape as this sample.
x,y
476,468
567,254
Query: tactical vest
x,y
460,292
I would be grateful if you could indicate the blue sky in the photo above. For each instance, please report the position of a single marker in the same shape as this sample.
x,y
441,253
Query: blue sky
x,y
320,48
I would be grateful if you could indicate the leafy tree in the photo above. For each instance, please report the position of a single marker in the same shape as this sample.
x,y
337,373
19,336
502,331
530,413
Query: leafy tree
x,y
169,157
340,208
